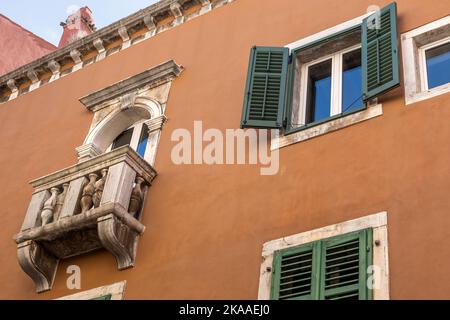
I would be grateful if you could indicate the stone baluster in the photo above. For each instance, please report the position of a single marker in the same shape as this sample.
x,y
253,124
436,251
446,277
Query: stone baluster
x,y
49,206
88,193
99,186
60,202
137,195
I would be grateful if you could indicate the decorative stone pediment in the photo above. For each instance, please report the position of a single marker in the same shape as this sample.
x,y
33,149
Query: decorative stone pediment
x,y
116,107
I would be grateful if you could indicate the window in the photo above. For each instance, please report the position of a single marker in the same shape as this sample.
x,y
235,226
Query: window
x,y
436,71
426,60
330,269
136,137
330,86
110,292
332,262
294,88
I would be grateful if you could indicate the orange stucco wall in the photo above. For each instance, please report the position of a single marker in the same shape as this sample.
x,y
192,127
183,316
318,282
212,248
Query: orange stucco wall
x,y
206,224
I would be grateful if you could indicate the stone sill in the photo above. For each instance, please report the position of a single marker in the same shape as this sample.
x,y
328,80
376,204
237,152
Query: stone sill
x,y
327,127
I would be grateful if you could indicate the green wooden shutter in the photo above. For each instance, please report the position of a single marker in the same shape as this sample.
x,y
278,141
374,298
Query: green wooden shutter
x,y
295,273
344,263
265,90
107,297
330,269
380,65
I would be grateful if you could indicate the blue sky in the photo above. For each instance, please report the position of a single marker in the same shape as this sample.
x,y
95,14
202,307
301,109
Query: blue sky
x,y
42,17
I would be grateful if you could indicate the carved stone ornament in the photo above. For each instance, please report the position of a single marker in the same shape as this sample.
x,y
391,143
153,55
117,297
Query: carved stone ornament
x,y
96,204
83,208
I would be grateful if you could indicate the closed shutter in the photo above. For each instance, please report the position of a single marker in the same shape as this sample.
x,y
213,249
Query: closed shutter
x,y
380,52
330,269
107,297
265,91
294,276
344,263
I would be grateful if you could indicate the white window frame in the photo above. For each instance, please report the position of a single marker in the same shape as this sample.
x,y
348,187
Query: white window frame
x,y
414,61
373,110
378,223
116,291
423,64
137,131
336,82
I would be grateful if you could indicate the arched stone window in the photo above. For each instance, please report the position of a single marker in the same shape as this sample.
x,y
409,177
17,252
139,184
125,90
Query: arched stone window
x,y
134,117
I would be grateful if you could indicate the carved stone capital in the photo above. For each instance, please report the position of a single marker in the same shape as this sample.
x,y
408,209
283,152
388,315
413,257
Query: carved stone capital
x,y
39,264
155,124
87,151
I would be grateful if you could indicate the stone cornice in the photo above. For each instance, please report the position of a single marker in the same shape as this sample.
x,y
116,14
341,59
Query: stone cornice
x,y
153,77
145,19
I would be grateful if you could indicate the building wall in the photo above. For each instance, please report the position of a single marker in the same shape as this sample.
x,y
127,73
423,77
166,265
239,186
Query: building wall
x,y
206,224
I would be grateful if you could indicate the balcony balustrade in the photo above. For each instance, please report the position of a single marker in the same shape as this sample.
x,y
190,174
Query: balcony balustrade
x,y
92,205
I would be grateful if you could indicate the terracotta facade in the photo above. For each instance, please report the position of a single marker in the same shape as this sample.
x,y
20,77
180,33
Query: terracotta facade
x,y
206,224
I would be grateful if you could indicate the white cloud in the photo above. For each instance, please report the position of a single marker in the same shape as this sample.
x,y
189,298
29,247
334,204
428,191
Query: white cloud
x,y
72,8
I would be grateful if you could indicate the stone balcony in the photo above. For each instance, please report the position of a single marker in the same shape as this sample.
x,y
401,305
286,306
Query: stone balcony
x,y
92,205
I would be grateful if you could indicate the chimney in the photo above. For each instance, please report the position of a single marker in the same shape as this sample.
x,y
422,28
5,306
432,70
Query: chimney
x,y
78,25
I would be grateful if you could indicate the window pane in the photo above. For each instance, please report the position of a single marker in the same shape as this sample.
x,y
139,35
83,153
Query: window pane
x,y
351,81
123,139
438,65
319,92
142,146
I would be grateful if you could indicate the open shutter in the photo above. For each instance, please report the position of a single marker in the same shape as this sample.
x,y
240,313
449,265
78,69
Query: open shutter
x,y
344,263
295,273
265,90
380,52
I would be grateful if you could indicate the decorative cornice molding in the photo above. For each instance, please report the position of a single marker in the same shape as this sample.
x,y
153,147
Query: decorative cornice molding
x,y
153,77
147,18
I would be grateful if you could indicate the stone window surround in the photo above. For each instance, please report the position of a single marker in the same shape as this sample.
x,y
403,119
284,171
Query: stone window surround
x,y
140,98
414,43
116,290
374,109
376,221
